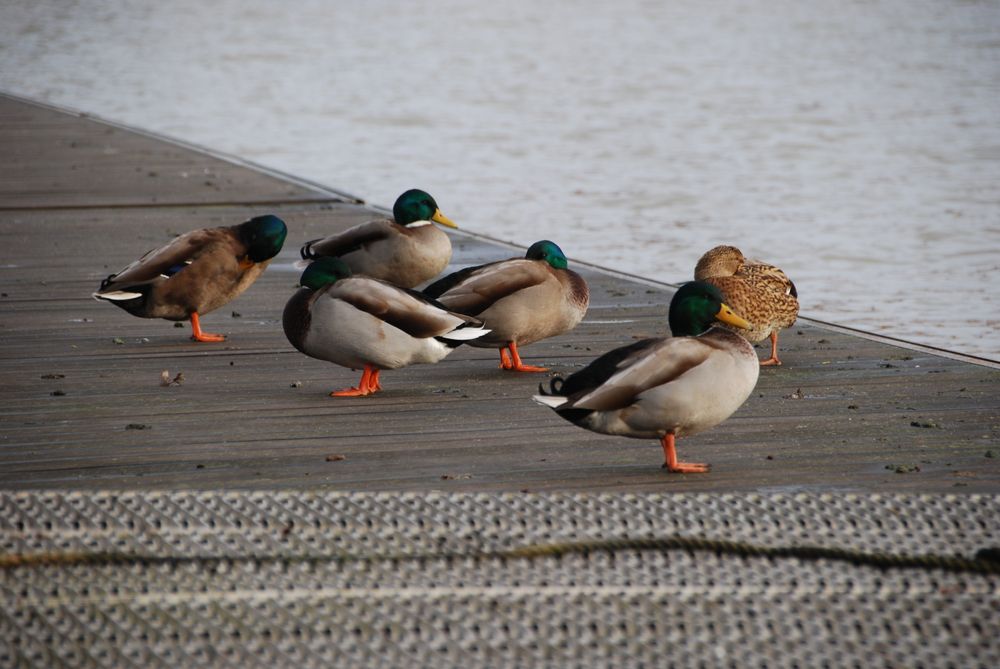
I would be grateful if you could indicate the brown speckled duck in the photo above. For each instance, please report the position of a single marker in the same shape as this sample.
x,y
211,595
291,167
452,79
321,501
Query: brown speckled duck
x,y
196,273
759,292
522,300
405,251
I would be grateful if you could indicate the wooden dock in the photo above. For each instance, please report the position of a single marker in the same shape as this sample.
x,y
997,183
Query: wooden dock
x,y
82,406
239,517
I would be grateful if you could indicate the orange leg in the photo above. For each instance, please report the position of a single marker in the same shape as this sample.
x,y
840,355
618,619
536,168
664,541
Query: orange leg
x,y
505,362
773,360
514,363
198,335
369,384
671,464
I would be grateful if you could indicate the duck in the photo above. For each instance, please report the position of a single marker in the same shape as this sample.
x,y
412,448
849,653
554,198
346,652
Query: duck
x,y
364,323
523,300
406,250
759,292
665,387
198,272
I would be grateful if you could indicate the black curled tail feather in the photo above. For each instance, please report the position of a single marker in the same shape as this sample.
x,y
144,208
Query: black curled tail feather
x,y
306,251
566,411
553,389
107,282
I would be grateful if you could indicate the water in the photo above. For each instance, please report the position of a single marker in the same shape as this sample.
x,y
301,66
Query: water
x,y
855,144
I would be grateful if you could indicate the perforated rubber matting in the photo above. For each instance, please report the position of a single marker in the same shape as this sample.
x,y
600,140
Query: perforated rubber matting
x,y
187,579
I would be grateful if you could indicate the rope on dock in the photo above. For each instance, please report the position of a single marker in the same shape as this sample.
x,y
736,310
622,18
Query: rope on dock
x,y
986,561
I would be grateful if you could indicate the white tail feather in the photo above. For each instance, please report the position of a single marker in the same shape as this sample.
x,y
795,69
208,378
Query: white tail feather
x,y
302,264
466,333
551,401
116,295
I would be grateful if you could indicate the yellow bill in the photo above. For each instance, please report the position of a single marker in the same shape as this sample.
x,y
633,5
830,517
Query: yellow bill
x,y
726,315
438,217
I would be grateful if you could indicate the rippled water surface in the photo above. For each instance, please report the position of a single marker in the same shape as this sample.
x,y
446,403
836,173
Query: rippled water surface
x,y
855,144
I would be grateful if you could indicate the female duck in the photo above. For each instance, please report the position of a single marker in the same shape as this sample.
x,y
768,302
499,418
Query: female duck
x,y
360,322
666,387
522,300
196,273
760,293
406,251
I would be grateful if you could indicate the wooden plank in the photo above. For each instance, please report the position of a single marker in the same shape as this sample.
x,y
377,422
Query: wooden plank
x,y
254,413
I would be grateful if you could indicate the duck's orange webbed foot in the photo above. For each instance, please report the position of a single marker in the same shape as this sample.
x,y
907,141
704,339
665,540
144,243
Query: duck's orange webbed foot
x,y
674,467
369,384
198,335
513,362
687,468
773,360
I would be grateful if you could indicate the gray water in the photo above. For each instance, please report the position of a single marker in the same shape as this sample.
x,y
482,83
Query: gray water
x,y
855,144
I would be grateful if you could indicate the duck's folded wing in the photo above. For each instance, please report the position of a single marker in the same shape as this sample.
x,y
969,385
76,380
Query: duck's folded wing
x,y
349,240
166,260
443,285
772,285
761,270
648,364
491,283
763,276
407,310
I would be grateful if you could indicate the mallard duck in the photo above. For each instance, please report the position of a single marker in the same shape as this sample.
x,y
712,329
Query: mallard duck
x,y
760,293
196,273
522,300
666,387
360,322
406,251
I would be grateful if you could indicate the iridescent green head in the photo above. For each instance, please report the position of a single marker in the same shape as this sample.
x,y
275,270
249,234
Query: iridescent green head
x,y
416,205
324,271
696,306
549,252
264,237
